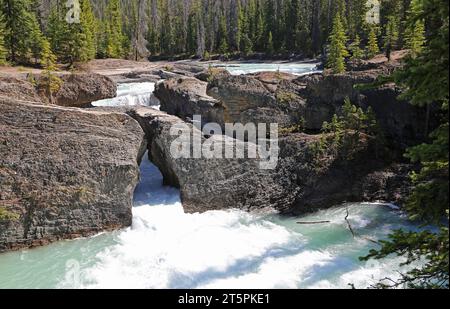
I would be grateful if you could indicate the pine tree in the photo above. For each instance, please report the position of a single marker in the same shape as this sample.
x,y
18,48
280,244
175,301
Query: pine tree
x,y
425,80
19,22
270,24
357,12
49,82
292,27
167,31
372,46
259,28
89,28
415,30
238,24
391,36
3,51
337,50
56,32
223,35
355,49
36,39
114,38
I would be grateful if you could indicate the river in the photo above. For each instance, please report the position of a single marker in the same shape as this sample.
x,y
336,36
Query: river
x,y
166,248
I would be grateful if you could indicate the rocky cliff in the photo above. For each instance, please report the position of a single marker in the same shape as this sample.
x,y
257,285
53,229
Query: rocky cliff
x,y
306,101
64,172
302,180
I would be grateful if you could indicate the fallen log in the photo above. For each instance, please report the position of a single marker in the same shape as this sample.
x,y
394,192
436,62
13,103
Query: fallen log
x,y
314,222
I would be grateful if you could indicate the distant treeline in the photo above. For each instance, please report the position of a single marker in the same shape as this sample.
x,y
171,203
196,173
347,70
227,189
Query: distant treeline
x,y
136,29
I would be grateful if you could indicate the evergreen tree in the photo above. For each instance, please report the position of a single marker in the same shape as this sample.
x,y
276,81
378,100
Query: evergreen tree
x,y
114,38
19,22
36,39
357,12
49,82
270,24
192,31
89,27
372,46
57,31
415,30
391,36
292,27
355,49
167,32
259,28
223,35
425,80
337,49
3,51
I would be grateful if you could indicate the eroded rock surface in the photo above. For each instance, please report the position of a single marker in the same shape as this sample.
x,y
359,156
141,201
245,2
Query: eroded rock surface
x,y
64,172
79,90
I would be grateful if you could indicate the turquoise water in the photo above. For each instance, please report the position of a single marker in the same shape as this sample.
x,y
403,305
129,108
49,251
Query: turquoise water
x,y
166,248
293,68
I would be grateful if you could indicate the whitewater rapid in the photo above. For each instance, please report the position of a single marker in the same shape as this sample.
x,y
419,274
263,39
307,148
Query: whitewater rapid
x,y
251,68
132,94
167,248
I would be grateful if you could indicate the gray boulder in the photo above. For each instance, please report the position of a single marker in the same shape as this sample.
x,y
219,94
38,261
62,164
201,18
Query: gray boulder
x,y
79,90
64,173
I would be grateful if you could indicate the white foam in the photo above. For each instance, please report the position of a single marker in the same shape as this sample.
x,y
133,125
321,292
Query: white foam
x,y
167,248
132,94
251,68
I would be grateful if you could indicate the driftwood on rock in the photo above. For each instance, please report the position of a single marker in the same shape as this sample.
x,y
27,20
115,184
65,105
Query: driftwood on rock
x,y
314,222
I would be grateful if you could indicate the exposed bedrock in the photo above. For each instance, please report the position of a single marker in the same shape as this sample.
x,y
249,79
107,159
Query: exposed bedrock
x,y
301,181
64,172
288,100
79,90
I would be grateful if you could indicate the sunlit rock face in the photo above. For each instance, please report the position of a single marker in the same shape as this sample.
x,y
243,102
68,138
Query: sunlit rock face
x,y
64,172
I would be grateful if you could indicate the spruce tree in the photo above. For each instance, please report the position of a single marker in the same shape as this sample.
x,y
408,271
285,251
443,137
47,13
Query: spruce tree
x,y
415,29
36,39
89,29
3,51
49,82
337,49
355,49
192,31
292,27
57,31
114,36
372,47
425,82
19,22
391,36
259,28
223,35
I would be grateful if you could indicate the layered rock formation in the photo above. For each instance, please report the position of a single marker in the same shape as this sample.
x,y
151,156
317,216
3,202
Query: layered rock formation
x,y
302,180
79,90
290,100
64,172
186,97
16,89
67,172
